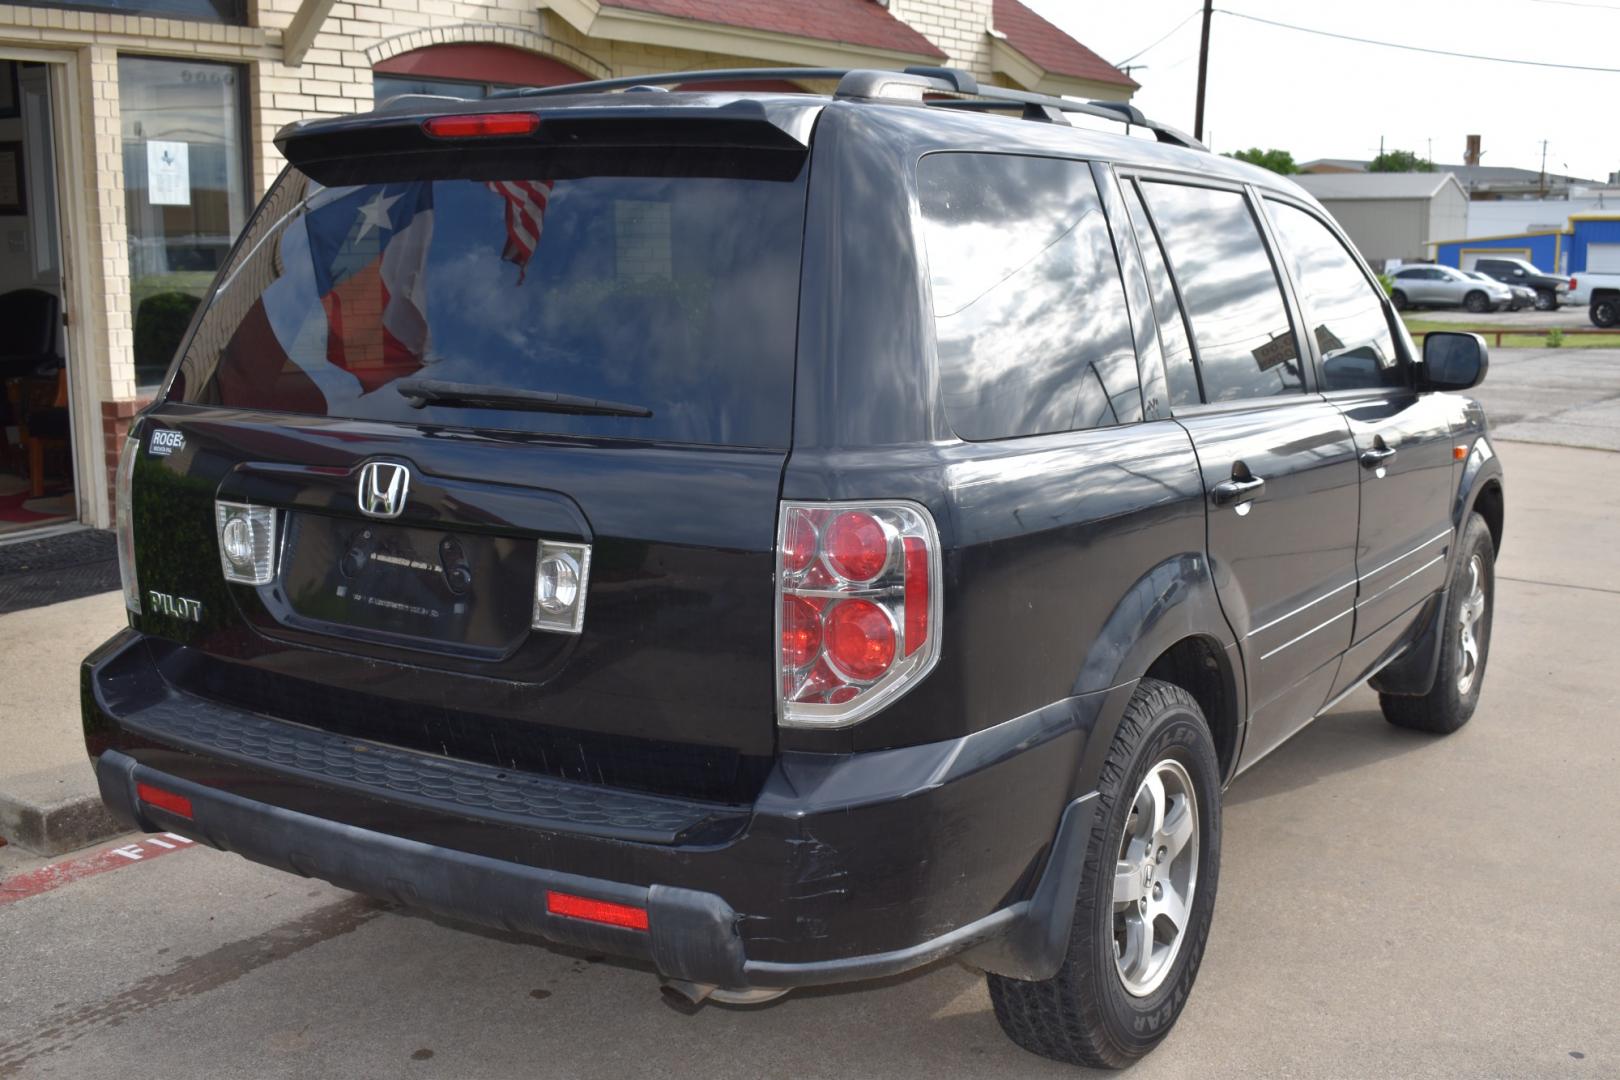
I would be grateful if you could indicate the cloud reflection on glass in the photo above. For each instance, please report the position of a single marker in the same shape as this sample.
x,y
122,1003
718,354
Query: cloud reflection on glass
x,y
1246,347
1030,313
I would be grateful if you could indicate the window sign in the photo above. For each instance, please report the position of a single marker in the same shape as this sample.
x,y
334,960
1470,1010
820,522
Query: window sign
x,y
168,173
185,192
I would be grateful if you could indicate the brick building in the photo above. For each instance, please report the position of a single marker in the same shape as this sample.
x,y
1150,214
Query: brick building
x,y
136,136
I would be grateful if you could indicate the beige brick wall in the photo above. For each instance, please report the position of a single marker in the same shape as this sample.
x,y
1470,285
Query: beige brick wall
x,y
960,27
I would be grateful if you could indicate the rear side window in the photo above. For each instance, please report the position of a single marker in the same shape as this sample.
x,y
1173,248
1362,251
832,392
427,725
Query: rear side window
x,y
1246,346
1029,310
1344,311
674,293
1180,373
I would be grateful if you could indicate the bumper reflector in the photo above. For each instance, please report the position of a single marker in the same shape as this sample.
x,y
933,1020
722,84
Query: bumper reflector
x,y
597,911
164,800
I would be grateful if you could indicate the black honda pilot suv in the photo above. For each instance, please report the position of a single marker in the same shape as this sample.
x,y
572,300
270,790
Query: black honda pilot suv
x,y
786,538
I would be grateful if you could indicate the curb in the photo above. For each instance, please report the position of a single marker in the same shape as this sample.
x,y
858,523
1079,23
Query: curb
x,y
55,810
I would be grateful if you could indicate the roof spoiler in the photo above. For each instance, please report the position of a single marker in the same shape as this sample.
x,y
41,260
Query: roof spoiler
x,y
400,126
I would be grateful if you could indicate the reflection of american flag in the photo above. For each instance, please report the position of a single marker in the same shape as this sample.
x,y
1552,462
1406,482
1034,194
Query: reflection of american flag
x,y
525,210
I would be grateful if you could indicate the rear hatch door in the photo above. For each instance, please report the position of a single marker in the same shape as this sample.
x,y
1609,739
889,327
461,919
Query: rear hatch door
x,y
438,365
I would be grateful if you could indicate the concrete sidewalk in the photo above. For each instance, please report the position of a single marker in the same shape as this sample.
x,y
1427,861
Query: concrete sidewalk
x,y
48,799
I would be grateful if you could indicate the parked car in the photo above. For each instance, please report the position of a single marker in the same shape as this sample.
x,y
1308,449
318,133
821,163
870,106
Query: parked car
x,y
1600,293
1519,295
1429,285
1550,289
854,532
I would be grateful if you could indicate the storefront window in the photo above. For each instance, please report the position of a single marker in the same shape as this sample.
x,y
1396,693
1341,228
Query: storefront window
x,y
215,11
185,192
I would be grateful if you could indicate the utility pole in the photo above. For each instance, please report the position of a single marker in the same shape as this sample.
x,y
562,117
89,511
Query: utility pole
x,y
1543,168
1126,69
1203,71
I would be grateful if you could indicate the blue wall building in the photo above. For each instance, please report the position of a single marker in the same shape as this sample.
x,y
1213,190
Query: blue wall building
x,y
1592,242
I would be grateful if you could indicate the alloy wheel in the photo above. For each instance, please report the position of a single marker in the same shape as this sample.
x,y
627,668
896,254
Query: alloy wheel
x,y
1155,878
1468,626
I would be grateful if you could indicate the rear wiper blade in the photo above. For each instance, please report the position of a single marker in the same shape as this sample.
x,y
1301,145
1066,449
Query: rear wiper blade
x,y
423,392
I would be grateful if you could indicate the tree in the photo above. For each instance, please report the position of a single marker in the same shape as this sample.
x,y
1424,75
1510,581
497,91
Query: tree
x,y
1278,161
1400,161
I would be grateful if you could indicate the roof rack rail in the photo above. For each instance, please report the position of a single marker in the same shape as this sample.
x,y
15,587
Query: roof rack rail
x,y
871,84
963,82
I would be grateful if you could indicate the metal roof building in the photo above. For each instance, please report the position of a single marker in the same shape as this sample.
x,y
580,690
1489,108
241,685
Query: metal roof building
x,y
1392,216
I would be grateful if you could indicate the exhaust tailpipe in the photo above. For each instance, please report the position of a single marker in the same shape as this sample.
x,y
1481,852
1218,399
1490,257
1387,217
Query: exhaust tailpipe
x,y
688,997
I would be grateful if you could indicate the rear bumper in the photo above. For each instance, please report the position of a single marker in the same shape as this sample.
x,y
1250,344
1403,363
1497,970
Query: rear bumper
x,y
845,867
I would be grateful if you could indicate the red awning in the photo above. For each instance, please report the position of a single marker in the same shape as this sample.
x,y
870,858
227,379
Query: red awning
x,y
849,22
1050,49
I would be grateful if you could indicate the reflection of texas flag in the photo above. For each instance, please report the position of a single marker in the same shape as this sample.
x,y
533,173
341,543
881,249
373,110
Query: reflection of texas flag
x,y
347,312
369,252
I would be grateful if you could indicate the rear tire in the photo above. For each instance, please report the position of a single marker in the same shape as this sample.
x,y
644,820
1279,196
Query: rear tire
x,y
1398,298
1605,312
1126,976
1464,646
1546,300
1476,302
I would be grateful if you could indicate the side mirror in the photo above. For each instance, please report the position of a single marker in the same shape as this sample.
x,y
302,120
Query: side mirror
x,y
1454,361
1518,272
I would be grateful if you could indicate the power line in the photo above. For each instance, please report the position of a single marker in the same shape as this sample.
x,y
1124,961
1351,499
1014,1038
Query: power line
x,y
1418,48
1579,4
1161,40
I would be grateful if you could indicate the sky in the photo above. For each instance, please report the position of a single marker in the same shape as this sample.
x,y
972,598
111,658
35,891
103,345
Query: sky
x,y
1320,97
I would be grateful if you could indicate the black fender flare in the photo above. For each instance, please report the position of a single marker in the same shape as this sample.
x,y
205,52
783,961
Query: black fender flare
x,y
1172,601
1413,673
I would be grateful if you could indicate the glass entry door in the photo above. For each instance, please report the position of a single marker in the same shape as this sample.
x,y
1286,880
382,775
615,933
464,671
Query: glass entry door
x,y
185,192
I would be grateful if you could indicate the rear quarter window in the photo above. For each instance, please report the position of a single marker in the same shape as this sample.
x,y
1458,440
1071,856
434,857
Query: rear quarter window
x,y
1030,320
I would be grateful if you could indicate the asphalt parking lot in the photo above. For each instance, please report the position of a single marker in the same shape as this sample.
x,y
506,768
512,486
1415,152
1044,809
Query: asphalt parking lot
x,y
1391,904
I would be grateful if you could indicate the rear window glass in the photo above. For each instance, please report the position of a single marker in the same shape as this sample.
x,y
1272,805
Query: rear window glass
x,y
677,294
1030,319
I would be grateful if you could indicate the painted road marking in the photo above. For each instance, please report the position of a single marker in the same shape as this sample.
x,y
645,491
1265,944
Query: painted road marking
x,y
54,876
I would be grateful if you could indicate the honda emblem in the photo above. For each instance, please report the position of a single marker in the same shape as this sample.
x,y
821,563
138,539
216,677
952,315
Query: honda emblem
x,y
384,487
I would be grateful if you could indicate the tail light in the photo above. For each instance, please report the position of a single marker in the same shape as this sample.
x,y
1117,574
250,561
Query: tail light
x,y
247,542
1572,284
481,125
124,522
858,608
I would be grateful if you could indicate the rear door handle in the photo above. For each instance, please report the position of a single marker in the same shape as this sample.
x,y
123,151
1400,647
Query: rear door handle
x,y
1378,455
1237,490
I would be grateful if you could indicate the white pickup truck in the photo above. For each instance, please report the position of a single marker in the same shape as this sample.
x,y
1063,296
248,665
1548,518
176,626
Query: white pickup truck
x,y
1601,293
